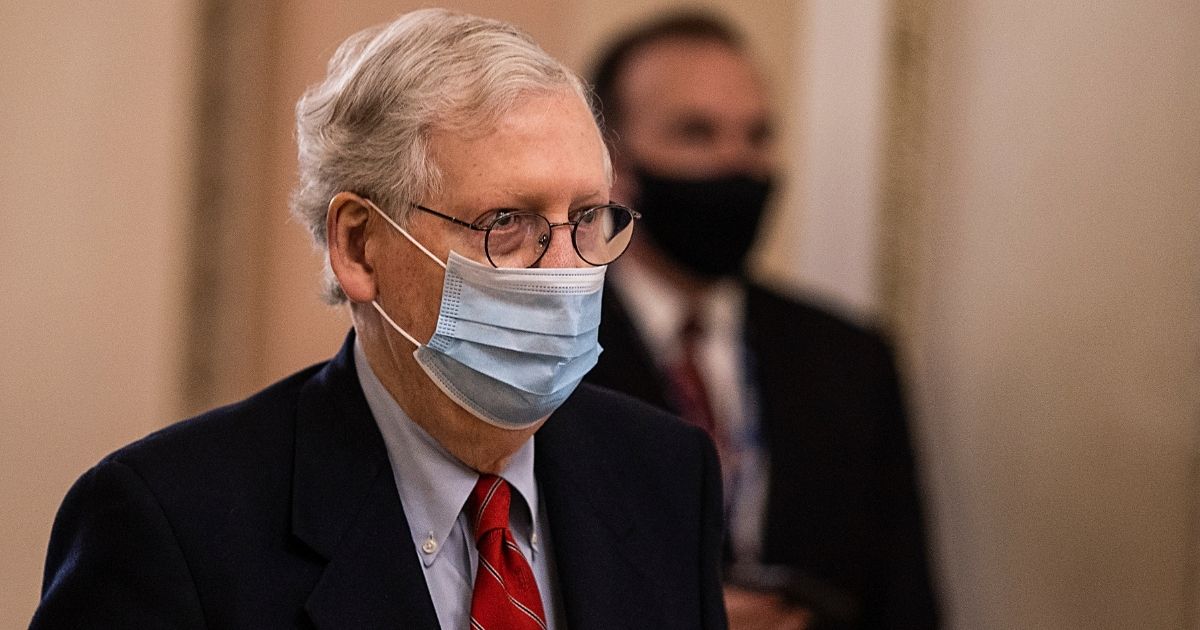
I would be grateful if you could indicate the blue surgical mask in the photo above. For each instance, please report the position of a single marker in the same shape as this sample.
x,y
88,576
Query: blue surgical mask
x,y
510,344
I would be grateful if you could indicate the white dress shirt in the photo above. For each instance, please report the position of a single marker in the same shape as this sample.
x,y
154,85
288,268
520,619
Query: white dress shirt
x,y
433,486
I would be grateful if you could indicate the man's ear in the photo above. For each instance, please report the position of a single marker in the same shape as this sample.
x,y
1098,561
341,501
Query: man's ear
x,y
346,231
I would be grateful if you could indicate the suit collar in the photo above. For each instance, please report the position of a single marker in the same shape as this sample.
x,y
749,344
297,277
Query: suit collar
x,y
346,509
657,308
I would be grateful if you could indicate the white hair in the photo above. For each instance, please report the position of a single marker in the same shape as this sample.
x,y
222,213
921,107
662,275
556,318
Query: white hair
x,y
366,127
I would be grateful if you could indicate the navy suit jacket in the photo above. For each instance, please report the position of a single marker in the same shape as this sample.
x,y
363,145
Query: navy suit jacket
x,y
281,511
843,505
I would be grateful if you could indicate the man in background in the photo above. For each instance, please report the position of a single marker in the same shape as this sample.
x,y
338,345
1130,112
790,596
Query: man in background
x,y
822,503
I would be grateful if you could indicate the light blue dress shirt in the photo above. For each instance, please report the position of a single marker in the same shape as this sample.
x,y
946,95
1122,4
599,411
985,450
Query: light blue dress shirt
x,y
434,486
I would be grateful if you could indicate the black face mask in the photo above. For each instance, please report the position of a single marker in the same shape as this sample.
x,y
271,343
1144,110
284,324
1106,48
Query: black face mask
x,y
705,225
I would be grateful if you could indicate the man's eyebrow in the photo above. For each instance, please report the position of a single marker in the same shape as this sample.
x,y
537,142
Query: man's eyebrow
x,y
589,197
692,115
762,128
523,201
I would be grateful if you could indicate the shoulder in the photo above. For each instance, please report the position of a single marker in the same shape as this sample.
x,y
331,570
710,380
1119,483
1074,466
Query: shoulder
x,y
238,457
636,441
795,315
251,427
140,532
622,447
787,329
229,467
607,414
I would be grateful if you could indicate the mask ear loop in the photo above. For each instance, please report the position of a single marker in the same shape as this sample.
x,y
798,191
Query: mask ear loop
x,y
405,233
421,247
394,324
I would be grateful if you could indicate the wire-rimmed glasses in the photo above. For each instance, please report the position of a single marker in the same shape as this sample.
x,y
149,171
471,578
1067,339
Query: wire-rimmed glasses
x,y
519,239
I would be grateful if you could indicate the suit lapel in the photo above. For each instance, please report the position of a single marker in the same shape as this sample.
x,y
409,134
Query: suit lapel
x,y
346,509
626,364
596,549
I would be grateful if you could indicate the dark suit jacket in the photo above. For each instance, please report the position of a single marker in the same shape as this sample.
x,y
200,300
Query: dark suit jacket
x,y
281,511
843,504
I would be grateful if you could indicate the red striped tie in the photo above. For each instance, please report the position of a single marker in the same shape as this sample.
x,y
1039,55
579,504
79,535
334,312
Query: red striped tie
x,y
506,593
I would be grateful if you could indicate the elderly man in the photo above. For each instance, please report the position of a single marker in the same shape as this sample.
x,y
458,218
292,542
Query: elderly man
x,y
821,496
442,470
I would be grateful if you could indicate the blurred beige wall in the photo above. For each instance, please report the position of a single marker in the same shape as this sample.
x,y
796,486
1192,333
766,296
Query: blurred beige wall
x,y
1056,342
1052,295
94,172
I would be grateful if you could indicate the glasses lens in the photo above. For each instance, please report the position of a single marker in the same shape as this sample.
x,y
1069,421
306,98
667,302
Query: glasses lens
x,y
517,239
602,233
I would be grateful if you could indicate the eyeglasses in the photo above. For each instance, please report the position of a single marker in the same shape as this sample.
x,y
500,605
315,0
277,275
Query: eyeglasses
x,y
519,239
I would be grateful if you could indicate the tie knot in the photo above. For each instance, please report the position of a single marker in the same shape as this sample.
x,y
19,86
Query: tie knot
x,y
488,505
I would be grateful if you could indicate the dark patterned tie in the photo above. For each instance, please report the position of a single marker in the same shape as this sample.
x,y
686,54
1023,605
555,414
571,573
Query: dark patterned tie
x,y
506,594
691,397
686,383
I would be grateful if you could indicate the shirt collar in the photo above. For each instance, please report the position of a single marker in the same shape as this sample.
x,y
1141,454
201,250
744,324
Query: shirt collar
x,y
657,307
433,484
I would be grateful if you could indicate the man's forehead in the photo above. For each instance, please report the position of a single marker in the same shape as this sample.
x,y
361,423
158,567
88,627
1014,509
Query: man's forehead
x,y
679,76
545,148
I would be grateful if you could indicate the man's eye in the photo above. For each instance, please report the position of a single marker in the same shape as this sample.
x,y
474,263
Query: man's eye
x,y
504,220
761,134
585,216
499,219
694,132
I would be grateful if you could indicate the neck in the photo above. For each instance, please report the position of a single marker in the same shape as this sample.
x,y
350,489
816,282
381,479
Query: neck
x,y
692,286
475,443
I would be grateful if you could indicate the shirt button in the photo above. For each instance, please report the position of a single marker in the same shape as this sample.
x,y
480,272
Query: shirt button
x,y
429,546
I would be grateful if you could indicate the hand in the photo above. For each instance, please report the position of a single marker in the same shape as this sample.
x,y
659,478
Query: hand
x,y
753,610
